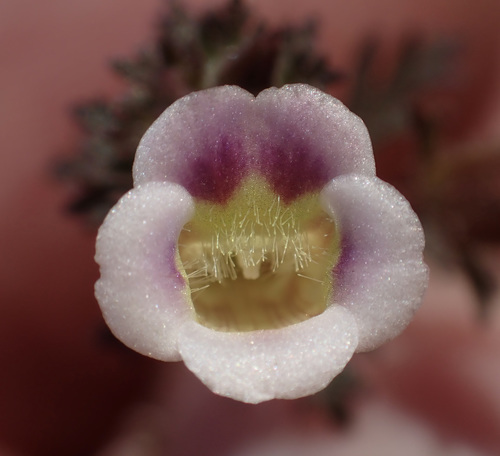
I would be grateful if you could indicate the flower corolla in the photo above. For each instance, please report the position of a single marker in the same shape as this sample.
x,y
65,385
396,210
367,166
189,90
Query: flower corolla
x,y
257,244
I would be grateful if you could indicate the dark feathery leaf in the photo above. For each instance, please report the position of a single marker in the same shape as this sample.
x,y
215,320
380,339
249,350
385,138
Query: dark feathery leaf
x,y
223,46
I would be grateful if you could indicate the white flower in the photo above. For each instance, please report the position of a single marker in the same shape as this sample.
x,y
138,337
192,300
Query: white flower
x,y
257,244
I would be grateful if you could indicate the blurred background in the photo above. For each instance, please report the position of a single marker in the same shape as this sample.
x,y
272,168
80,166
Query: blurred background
x,y
78,83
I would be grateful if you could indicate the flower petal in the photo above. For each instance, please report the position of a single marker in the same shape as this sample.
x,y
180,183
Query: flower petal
x,y
200,142
286,363
297,137
380,276
307,138
142,295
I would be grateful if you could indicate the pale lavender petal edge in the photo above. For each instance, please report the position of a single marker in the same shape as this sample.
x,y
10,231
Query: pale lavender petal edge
x,y
143,296
381,275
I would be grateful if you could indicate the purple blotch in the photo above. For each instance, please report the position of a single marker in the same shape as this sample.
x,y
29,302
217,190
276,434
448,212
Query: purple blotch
x,y
293,169
215,174
166,266
345,266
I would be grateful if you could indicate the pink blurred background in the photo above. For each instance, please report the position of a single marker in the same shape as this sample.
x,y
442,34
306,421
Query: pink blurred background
x,y
62,389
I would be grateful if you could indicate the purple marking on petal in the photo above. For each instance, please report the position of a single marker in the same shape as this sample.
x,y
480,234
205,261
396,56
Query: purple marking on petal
x,y
297,137
293,170
215,175
380,276
168,266
347,255
306,138
200,142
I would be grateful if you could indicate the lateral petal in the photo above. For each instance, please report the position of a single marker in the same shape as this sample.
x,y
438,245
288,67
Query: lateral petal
x,y
380,276
143,296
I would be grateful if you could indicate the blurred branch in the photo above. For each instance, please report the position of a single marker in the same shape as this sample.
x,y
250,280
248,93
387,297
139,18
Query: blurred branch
x,y
224,46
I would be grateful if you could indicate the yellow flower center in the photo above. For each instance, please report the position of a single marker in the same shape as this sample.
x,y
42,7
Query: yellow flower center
x,y
256,263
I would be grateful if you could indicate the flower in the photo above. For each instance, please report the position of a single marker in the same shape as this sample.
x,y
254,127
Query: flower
x,y
257,245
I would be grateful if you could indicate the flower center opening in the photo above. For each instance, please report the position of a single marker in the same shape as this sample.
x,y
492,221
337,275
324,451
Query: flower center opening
x,y
257,263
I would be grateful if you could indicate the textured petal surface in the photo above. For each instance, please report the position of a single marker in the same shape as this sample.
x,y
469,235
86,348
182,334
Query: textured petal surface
x,y
201,142
286,363
142,295
307,137
300,140
381,276
298,137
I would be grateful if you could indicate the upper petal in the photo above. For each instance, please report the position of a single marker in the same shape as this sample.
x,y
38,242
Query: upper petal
x,y
143,296
307,138
283,363
380,276
201,142
297,137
